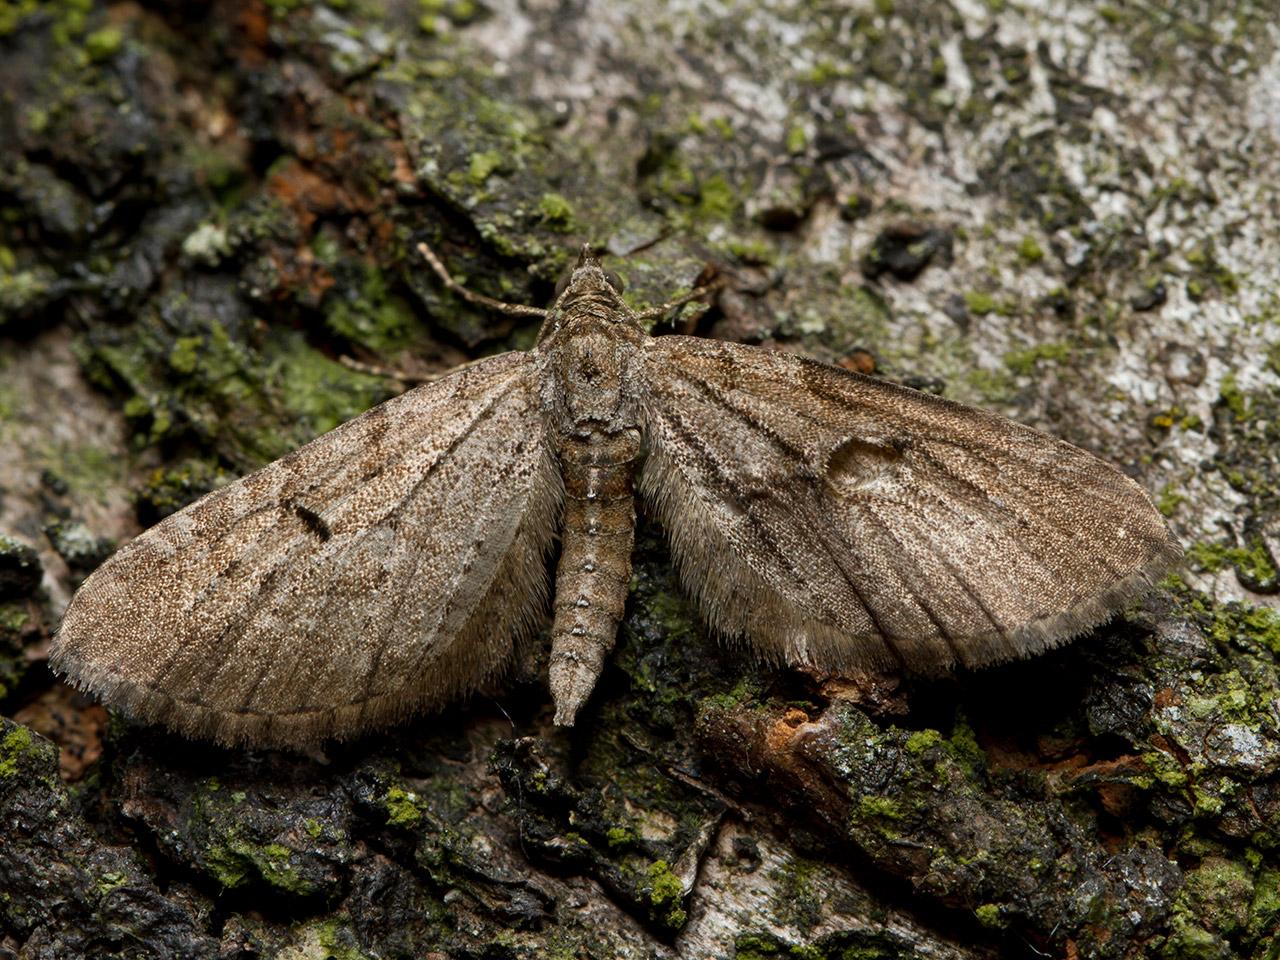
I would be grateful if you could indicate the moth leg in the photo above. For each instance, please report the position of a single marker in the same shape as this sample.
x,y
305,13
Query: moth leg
x,y
479,299
697,293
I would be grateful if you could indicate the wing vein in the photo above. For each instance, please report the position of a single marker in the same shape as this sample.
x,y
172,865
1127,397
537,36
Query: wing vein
x,y
693,442
824,538
917,597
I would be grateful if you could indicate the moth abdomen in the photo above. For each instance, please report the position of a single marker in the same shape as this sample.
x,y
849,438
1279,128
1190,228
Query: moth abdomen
x,y
595,562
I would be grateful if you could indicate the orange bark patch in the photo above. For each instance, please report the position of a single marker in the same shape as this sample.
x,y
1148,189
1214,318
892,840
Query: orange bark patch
x,y
255,23
70,720
859,361
306,193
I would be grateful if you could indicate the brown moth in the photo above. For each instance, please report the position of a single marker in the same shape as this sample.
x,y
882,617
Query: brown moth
x,y
826,518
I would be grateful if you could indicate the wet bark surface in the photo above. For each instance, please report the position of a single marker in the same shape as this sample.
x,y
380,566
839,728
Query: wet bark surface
x,y
1065,213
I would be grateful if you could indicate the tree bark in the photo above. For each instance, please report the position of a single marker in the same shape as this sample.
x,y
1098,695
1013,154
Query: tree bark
x,y
1063,212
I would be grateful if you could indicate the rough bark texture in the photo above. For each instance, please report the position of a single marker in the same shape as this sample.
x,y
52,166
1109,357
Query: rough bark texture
x,y
1065,212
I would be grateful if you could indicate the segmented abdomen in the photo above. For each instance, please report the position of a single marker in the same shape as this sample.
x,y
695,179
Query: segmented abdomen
x,y
595,562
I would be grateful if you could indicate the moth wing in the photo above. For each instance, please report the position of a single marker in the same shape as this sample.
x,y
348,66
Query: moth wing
x,y
385,567
847,523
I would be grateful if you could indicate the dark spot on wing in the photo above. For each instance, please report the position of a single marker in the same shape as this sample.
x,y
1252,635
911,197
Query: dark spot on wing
x,y
313,522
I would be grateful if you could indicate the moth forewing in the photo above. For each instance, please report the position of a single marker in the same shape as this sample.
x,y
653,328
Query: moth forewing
x,y
381,569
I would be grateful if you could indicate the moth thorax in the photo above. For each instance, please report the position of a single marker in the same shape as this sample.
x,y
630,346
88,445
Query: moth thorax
x,y
593,370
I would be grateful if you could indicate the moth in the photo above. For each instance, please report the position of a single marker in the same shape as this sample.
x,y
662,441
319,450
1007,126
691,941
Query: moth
x,y
821,517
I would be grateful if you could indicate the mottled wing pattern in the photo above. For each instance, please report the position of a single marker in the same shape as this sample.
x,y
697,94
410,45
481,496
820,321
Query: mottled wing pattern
x,y
382,568
840,521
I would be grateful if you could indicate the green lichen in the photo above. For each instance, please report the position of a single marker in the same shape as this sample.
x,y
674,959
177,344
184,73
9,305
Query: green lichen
x,y
885,808
23,290
185,354
993,386
556,212
236,859
14,617
540,782
402,807
1214,905
1209,797
1175,417
1246,626
168,490
12,13
745,691
799,892
103,44
68,17
459,12
1229,698
1273,358
1188,940
964,746
990,916
1165,769
233,860
317,393
1264,910
1169,499
1210,274
1029,250
716,199
619,838
280,8
665,893
373,316
334,941
1235,399
110,881
1208,557
1023,362
797,140
979,303
1253,561
227,866
753,947
922,740
483,165
15,745
751,250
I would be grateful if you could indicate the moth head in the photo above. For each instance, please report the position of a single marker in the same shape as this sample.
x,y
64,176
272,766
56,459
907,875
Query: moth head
x,y
587,280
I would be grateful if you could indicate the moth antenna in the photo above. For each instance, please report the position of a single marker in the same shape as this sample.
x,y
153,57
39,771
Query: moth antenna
x,y
376,369
391,373
651,313
479,299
